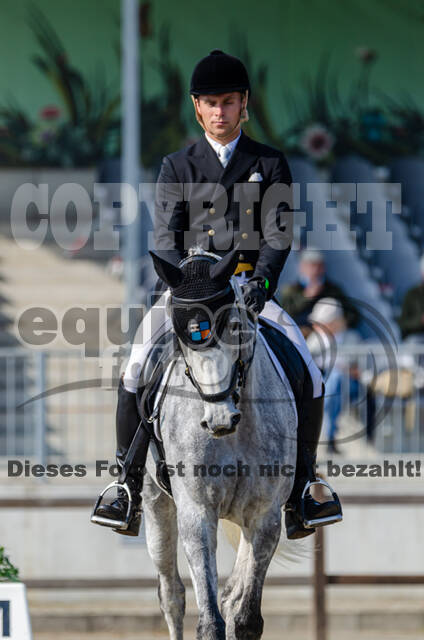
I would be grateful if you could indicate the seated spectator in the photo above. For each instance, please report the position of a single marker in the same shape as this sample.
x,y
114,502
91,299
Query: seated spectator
x,y
411,321
299,298
330,330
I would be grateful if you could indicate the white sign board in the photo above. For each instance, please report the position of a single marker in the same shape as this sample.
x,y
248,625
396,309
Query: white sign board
x,y
14,614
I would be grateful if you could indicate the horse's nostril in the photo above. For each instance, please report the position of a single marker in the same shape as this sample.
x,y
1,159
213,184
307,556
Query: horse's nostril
x,y
235,419
204,424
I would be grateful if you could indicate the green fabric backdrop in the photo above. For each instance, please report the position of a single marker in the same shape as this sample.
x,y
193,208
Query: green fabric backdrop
x,y
289,36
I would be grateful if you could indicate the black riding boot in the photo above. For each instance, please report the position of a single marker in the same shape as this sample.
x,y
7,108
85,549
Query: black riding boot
x,y
302,512
127,421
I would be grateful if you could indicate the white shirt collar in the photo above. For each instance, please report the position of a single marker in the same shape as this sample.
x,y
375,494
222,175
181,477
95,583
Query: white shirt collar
x,y
217,145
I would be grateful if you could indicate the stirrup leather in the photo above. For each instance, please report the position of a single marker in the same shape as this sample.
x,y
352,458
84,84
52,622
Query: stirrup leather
x,y
121,525
319,522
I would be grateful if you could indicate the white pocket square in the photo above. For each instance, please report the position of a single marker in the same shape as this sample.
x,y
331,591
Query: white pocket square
x,y
255,177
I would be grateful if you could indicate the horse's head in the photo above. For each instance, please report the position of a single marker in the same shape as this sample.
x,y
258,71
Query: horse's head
x,y
206,307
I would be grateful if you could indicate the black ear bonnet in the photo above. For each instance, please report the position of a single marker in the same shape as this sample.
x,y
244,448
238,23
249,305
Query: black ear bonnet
x,y
200,304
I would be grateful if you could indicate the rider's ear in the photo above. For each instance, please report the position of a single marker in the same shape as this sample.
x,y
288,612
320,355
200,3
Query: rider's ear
x,y
168,272
224,269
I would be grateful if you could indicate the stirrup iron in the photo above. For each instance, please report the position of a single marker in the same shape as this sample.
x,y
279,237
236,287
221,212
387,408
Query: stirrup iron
x,y
319,522
121,525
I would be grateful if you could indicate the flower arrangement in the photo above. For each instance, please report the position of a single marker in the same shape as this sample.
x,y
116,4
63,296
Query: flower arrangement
x,y
82,131
84,126
324,126
7,571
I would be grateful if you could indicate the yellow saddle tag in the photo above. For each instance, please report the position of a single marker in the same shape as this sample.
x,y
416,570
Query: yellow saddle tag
x,y
243,266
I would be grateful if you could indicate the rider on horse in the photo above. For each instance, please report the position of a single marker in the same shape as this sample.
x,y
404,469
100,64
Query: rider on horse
x,y
226,160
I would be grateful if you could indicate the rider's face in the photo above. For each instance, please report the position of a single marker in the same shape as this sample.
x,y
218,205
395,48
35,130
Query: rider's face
x,y
220,114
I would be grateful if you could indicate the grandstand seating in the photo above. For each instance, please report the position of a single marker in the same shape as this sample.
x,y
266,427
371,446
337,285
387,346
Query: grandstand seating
x,y
397,268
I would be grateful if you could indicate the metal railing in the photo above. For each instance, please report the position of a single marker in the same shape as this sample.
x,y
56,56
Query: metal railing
x,y
389,405
55,405
59,405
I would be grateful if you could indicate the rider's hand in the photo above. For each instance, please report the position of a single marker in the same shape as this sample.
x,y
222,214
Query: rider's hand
x,y
254,293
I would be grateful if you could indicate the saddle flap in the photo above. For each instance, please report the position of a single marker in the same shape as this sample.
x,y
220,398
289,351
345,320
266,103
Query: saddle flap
x,y
154,368
289,359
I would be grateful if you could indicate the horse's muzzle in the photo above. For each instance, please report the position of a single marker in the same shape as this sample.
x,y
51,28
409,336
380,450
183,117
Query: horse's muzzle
x,y
219,430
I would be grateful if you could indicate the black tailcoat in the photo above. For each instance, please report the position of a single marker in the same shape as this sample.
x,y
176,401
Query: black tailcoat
x,y
198,201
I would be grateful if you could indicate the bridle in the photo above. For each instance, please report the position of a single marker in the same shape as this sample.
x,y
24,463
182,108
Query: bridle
x,y
242,363
239,372
238,377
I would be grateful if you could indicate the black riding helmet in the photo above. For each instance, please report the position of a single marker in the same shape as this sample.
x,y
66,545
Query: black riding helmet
x,y
219,73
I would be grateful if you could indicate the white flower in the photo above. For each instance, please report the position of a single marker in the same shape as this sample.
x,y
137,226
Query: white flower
x,y
317,141
255,177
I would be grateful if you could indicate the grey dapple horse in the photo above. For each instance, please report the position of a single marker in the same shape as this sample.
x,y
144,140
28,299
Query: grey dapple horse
x,y
222,433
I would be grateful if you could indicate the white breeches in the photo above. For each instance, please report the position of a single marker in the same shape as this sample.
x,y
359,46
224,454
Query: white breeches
x,y
156,322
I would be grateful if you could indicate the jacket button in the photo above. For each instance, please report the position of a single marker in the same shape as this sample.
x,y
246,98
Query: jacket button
x,y
211,232
248,211
244,236
212,211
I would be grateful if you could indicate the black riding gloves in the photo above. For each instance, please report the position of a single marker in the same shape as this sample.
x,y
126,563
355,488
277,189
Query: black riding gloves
x,y
254,293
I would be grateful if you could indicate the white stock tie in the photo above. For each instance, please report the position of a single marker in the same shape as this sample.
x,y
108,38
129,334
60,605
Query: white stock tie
x,y
224,155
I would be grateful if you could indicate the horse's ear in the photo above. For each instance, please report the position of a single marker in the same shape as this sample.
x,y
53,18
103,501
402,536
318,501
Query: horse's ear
x,y
168,272
224,269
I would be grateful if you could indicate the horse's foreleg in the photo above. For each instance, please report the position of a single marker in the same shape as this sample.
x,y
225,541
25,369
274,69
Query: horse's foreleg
x,y
198,531
233,588
162,538
244,619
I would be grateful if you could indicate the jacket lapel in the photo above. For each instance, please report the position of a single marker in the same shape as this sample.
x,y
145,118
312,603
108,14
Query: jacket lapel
x,y
206,161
